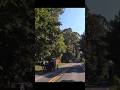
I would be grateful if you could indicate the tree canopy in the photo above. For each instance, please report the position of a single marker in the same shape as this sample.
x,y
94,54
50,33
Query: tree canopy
x,y
100,49
94,47
49,40
16,42
72,42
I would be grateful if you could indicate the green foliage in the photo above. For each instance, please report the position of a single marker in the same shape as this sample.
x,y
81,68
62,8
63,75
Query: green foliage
x,y
113,39
50,41
95,47
100,44
60,46
72,43
48,33
16,42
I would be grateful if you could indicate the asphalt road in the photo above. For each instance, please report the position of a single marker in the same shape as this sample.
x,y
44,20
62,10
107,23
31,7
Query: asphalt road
x,y
70,72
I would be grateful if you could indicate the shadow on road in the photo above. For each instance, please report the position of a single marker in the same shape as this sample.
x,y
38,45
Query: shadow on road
x,y
71,69
41,72
76,69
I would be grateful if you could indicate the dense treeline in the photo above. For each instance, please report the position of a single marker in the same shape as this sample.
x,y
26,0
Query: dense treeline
x,y
22,44
72,40
96,47
100,46
16,43
114,47
50,40
48,33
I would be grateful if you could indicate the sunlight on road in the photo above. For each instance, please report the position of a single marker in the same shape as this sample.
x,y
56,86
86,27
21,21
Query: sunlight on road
x,y
67,72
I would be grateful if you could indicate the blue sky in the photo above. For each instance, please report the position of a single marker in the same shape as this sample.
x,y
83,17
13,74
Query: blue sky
x,y
73,18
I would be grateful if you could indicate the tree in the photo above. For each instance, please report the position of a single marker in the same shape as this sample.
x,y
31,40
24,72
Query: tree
x,y
60,46
82,46
72,43
95,47
46,30
16,42
114,39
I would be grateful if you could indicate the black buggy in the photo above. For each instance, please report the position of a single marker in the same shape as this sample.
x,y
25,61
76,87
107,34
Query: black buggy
x,y
49,65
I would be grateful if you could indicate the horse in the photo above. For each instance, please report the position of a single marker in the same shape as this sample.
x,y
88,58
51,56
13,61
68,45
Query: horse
x,y
42,64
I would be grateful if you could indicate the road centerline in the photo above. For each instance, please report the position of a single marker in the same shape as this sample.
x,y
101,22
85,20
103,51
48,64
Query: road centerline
x,y
58,76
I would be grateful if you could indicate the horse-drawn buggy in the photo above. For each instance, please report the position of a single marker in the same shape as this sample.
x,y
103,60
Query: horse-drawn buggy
x,y
49,65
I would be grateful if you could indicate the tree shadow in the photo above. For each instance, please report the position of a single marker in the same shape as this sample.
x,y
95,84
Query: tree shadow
x,y
40,72
73,69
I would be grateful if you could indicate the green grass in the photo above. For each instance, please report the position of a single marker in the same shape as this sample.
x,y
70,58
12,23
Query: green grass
x,y
38,68
61,64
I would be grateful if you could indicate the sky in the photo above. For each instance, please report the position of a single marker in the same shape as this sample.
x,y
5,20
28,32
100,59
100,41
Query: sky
x,y
73,18
107,8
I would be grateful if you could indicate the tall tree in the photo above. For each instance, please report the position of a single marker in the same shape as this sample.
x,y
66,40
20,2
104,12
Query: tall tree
x,y
60,46
95,52
114,39
46,30
72,43
16,42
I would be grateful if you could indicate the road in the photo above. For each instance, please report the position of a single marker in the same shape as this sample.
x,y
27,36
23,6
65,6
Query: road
x,y
69,72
